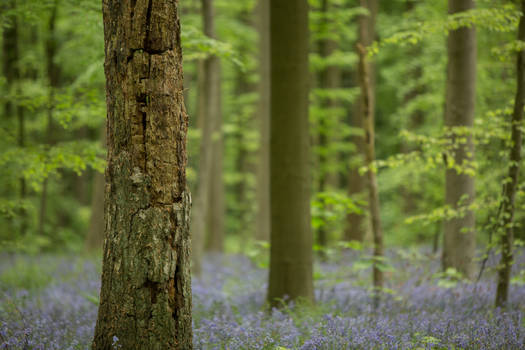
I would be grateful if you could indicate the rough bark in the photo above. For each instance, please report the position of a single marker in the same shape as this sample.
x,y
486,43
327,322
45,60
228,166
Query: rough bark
x,y
329,78
95,235
510,187
145,298
368,113
208,114
262,232
356,225
291,235
459,242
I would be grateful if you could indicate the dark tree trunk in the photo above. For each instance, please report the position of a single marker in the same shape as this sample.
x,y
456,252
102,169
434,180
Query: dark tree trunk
x,y
291,235
510,187
145,298
368,114
459,243
262,232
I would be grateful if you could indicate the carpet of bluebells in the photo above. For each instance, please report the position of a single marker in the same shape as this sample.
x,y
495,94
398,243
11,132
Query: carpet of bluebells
x,y
50,302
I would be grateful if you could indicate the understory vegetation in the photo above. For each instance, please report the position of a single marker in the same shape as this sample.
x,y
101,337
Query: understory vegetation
x,y
424,308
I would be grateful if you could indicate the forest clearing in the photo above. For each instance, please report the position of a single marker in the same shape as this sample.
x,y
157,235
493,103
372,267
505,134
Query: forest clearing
x,y
262,174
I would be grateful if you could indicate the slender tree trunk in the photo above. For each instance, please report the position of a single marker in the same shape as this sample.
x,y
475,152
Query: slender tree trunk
x,y
208,114
459,233
216,208
509,188
262,232
145,298
329,79
95,235
52,76
368,110
11,70
291,235
356,225
415,120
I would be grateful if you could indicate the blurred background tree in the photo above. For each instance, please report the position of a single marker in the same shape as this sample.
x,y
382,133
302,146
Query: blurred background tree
x,y
53,114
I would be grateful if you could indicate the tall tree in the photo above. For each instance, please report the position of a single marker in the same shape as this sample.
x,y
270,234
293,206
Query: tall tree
x,y
459,241
53,72
367,106
357,183
291,235
145,298
209,111
510,186
11,70
216,210
263,113
329,79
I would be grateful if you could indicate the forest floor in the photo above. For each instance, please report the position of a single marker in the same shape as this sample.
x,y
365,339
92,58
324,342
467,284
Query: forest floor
x,y
50,302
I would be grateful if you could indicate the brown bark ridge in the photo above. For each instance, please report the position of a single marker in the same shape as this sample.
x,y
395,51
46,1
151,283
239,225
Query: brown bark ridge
x,y
262,232
145,298
329,78
368,109
459,243
291,235
510,187
356,226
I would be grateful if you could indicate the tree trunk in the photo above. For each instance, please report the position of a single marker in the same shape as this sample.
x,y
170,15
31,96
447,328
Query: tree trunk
x,y
52,76
330,78
11,72
459,242
510,187
145,298
216,209
366,30
291,235
208,114
356,225
262,232
95,235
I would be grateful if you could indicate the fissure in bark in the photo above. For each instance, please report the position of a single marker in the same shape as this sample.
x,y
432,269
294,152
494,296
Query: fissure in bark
x,y
145,298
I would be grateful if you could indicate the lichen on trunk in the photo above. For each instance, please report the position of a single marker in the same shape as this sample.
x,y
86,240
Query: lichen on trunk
x,y
145,299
